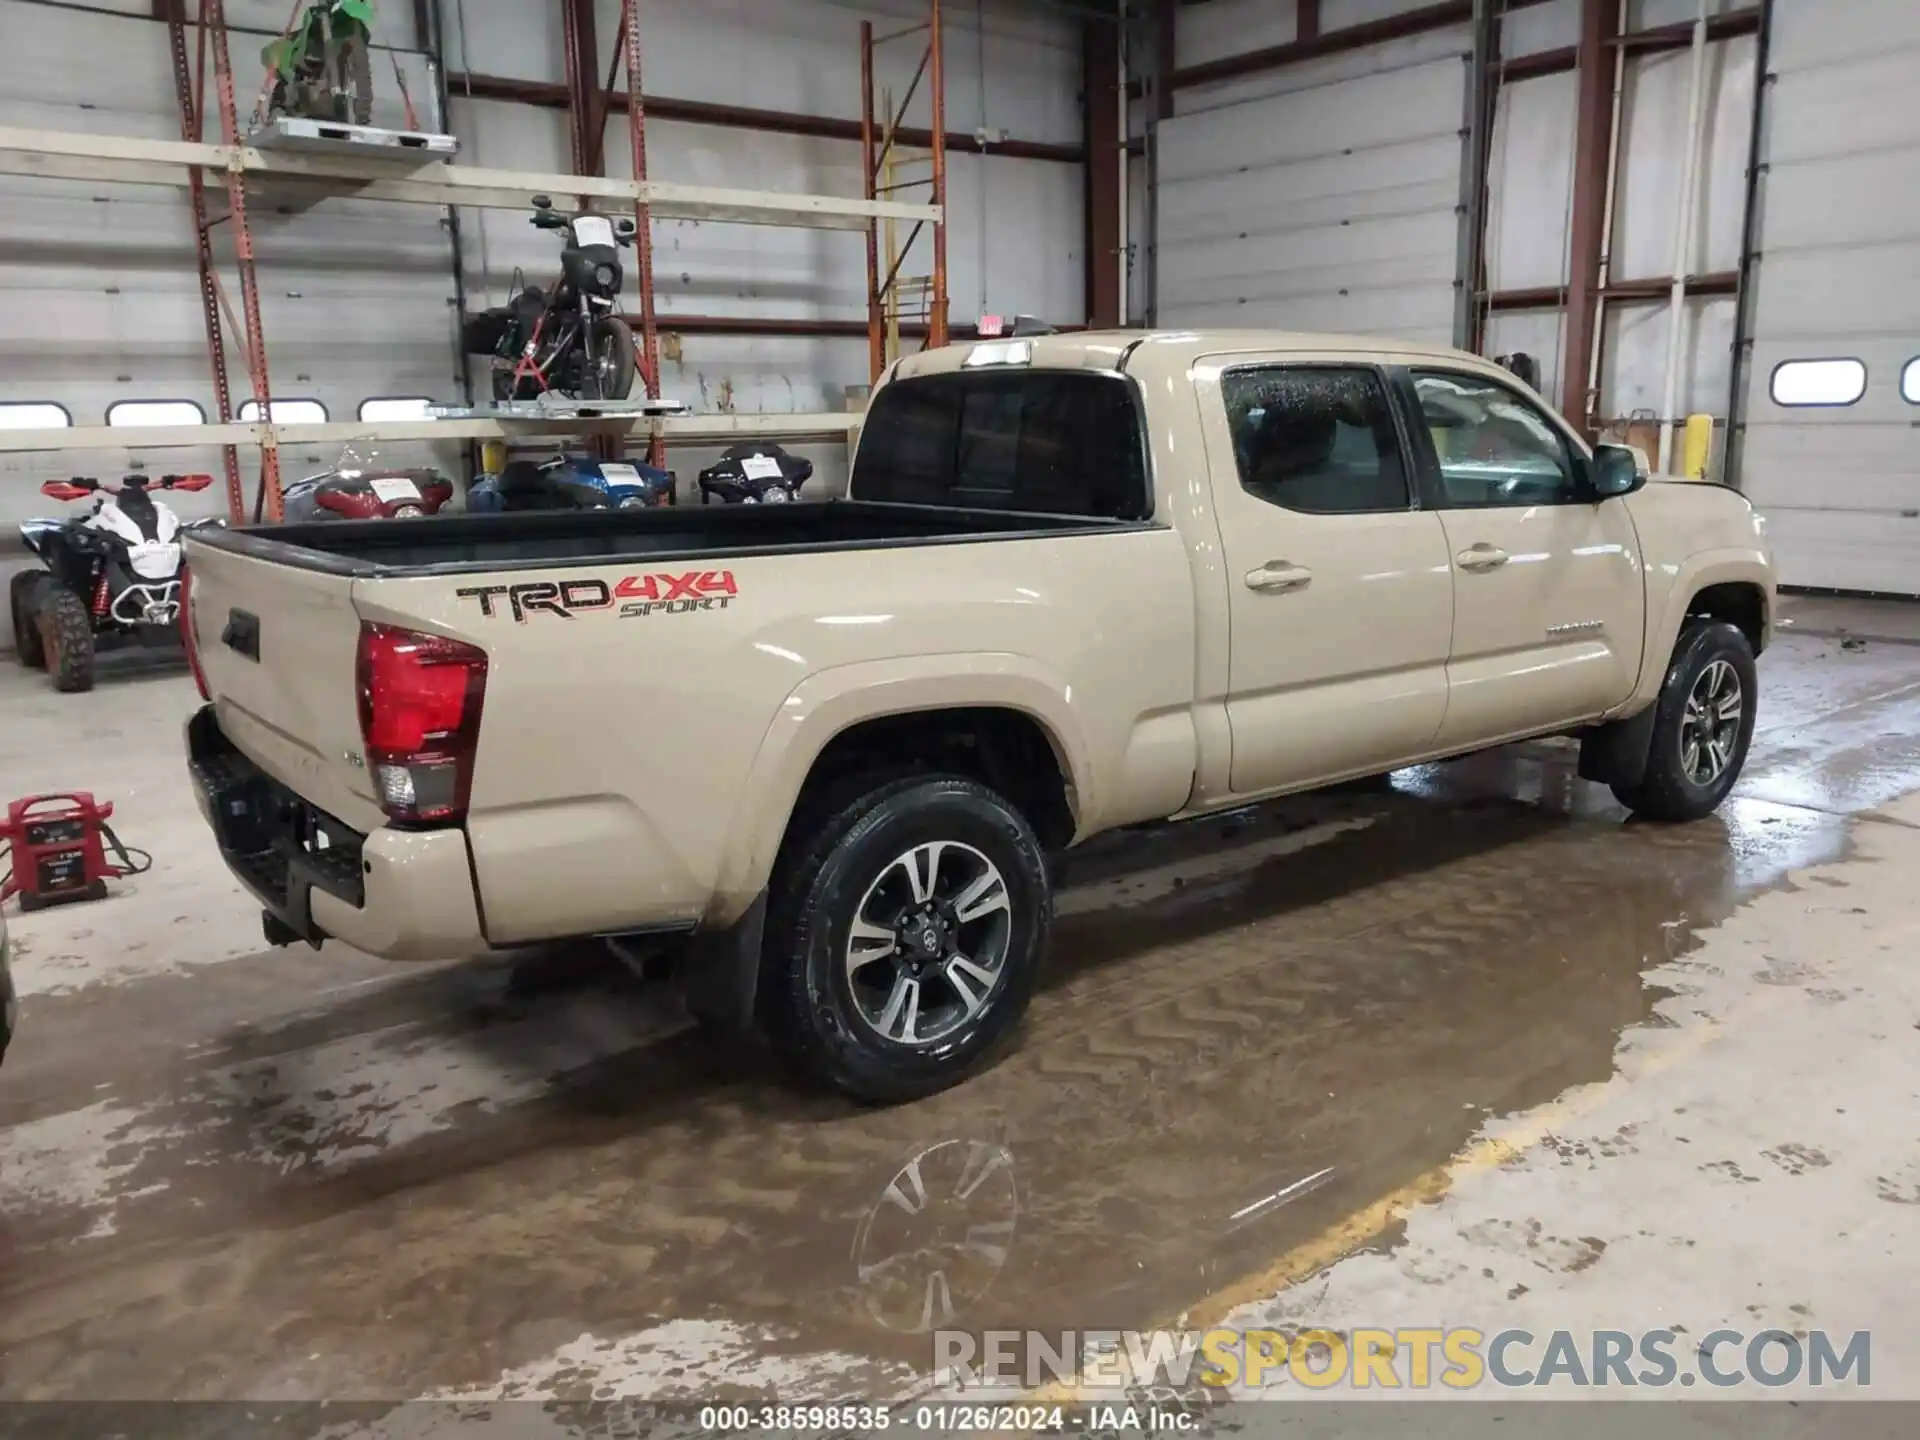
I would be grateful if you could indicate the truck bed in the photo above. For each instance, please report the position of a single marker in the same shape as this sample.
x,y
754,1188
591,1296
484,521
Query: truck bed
x,y
468,543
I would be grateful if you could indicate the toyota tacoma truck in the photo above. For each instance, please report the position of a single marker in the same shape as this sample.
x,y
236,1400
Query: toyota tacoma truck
x,y
822,753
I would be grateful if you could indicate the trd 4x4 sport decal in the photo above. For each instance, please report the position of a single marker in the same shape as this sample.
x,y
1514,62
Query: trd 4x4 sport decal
x,y
633,595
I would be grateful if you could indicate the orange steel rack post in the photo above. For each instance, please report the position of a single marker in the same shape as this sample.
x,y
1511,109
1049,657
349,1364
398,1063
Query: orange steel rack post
x,y
880,131
210,22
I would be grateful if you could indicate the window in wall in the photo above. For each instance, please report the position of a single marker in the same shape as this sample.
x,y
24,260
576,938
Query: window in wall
x,y
395,407
1316,439
1055,442
1910,381
34,415
286,412
155,412
1494,446
1818,382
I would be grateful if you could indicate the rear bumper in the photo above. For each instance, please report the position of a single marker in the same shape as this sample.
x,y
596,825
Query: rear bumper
x,y
405,895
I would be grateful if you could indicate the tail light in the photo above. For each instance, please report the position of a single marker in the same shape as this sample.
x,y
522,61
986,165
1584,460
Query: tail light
x,y
420,698
189,637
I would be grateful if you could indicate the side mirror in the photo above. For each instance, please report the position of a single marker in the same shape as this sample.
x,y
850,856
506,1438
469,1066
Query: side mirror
x,y
543,202
1615,470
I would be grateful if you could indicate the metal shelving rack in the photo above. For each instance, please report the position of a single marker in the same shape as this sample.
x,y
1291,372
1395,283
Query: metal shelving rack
x,y
417,176
893,298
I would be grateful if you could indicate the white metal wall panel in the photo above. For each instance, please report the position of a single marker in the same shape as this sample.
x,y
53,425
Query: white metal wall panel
x,y
1325,208
1840,247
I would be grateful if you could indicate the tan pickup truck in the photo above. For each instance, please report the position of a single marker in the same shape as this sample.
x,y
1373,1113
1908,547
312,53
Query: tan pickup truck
x,y
1079,582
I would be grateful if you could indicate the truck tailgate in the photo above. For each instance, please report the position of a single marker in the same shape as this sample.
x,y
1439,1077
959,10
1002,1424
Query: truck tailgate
x,y
278,646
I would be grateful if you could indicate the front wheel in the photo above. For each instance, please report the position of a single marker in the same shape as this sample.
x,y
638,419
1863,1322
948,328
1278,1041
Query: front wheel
x,y
611,363
1702,728
905,936
66,636
23,595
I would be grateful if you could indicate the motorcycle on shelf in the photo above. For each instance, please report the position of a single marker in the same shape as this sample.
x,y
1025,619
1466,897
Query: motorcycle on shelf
x,y
565,341
110,577
755,474
359,487
571,482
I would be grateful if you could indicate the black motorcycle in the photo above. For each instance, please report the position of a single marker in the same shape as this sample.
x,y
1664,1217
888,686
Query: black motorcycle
x,y
567,340
755,474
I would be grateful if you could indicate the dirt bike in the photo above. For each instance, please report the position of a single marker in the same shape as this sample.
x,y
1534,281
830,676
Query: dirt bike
x,y
323,66
111,577
566,340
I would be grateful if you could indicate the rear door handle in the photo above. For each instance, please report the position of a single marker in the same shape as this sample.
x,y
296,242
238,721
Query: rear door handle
x,y
1482,557
1279,575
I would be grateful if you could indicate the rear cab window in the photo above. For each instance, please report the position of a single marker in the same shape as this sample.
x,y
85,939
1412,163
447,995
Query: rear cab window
x,y
1042,442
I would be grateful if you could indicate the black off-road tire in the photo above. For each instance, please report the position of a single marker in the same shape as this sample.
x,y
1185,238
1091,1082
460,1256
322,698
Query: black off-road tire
x,y
1666,791
23,597
66,635
838,846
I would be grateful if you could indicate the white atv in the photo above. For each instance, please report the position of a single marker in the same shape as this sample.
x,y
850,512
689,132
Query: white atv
x,y
112,577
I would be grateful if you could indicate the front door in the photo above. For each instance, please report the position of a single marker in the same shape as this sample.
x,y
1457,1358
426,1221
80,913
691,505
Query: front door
x,y
1549,599
1340,591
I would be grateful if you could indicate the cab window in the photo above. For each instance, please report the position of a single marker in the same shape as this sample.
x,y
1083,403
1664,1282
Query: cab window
x,y
1316,439
1494,447
1057,442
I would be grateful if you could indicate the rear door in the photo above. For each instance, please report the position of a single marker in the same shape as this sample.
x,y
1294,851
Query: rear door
x,y
1341,604
1549,600
278,646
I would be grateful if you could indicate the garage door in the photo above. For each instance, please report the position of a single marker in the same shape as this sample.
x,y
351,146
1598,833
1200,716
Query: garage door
x,y
1330,208
1830,454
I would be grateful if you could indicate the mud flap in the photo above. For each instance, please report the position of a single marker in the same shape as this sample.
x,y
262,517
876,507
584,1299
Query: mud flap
x,y
719,971
1616,753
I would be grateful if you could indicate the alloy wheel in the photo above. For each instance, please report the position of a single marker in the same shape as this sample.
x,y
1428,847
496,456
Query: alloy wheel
x,y
1710,726
928,945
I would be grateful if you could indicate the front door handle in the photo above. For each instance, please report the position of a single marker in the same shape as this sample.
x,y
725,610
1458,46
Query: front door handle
x,y
1482,557
1279,575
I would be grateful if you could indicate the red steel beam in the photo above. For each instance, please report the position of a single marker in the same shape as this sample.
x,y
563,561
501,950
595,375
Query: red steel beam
x,y
643,218
785,329
1306,20
552,96
1660,39
937,97
1552,297
870,182
213,24
174,13
1335,42
1593,115
1100,101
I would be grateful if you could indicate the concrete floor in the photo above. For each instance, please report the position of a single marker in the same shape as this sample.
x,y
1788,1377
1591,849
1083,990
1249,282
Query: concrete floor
x,y
1505,1059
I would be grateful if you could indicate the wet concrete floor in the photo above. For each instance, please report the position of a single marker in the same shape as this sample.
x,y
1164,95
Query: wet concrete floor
x,y
227,1173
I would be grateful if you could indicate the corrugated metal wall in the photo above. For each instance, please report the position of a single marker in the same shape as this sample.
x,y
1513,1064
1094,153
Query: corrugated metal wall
x,y
1840,203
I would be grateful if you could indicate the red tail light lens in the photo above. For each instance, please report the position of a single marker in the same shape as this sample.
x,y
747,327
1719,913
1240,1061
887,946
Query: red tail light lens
x,y
420,698
189,637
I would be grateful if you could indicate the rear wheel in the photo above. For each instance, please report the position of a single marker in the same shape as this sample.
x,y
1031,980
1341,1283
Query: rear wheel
x,y
23,595
905,935
1702,728
611,363
66,636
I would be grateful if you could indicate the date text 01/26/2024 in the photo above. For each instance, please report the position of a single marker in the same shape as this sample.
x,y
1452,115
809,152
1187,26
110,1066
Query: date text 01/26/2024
x,y
934,1419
